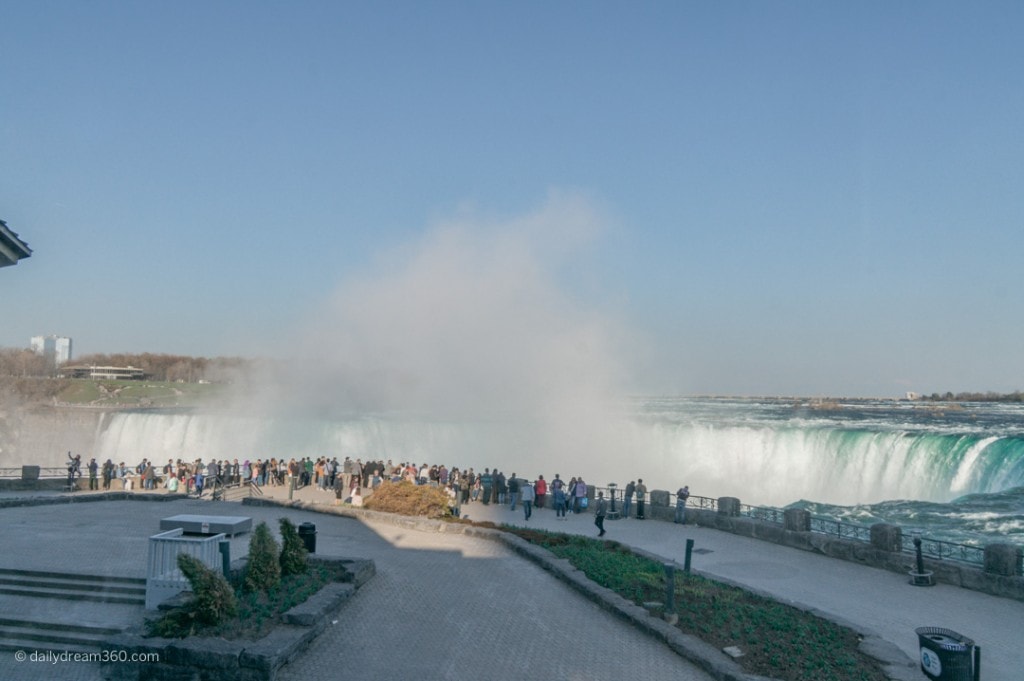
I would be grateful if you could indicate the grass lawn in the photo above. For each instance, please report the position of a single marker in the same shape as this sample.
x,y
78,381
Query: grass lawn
x,y
777,640
128,394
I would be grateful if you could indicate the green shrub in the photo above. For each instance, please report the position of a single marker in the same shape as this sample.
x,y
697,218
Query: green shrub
x,y
214,599
263,571
293,550
212,603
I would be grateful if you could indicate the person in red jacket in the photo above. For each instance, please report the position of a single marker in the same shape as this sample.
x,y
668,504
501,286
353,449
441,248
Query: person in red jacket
x,y
540,490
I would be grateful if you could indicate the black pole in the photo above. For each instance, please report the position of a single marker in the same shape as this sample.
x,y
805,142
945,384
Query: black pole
x,y
670,588
689,552
920,560
225,557
977,663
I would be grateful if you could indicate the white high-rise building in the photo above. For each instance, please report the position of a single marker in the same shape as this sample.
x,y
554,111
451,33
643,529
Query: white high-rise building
x,y
56,349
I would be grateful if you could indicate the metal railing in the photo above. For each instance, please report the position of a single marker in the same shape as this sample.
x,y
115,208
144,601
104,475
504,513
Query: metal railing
x,y
932,548
944,550
763,513
47,472
839,529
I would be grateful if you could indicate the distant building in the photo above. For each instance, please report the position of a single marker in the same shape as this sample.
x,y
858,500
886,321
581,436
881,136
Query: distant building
x,y
912,395
12,249
104,373
56,349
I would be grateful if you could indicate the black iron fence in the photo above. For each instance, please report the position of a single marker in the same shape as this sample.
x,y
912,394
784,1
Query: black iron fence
x,y
936,549
47,472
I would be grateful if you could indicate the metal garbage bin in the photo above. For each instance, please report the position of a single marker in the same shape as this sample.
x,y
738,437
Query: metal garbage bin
x,y
307,532
947,655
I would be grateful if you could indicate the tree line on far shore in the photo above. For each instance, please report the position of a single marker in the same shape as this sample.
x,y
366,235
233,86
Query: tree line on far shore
x,y
25,363
1016,396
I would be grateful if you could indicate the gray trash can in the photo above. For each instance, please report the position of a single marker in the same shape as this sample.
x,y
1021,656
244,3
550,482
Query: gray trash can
x,y
947,655
307,532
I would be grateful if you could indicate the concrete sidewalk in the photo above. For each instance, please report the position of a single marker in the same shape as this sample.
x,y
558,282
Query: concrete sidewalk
x,y
867,598
442,606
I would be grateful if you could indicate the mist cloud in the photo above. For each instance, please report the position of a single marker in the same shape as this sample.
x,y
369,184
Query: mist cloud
x,y
473,320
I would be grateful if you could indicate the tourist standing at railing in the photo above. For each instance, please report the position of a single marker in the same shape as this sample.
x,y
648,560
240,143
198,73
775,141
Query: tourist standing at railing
x,y
108,473
149,477
513,491
94,478
682,494
558,496
627,498
641,493
581,495
540,491
74,470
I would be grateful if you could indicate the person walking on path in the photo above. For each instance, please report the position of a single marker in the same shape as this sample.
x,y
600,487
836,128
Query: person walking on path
x,y
627,498
641,493
599,513
526,490
682,494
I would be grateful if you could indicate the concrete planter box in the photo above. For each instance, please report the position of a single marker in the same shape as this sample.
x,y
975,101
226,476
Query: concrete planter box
x,y
199,658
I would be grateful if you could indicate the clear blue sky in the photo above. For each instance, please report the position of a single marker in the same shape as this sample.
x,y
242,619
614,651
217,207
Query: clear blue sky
x,y
815,198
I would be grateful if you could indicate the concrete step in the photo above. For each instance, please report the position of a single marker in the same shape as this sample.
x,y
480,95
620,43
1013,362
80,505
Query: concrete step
x,y
74,576
73,587
36,592
76,586
29,635
28,646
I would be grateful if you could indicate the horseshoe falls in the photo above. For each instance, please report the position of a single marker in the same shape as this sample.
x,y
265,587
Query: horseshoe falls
x,y
960,466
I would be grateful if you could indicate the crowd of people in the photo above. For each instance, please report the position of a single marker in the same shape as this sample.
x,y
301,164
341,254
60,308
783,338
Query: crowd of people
x,y
348,479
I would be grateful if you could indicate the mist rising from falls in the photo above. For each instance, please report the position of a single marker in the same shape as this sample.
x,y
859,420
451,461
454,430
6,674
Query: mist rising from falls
x,y
474,323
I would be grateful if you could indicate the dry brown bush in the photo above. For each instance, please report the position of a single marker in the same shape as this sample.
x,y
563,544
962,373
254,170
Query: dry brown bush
x,y
406,498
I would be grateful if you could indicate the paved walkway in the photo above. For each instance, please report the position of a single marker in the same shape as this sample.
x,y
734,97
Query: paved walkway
x,y
441,606
473,601
869,598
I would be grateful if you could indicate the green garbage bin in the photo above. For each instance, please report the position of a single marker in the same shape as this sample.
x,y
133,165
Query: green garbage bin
x,y
947,655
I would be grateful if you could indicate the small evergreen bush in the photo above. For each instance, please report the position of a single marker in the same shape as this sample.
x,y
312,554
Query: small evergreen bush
x,y
293,550
212,603
263,571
